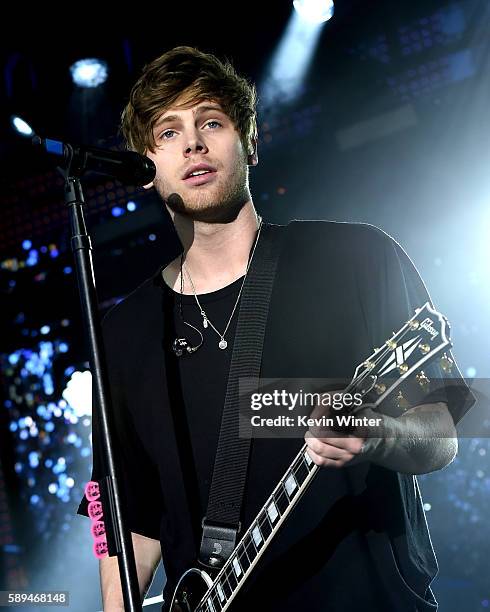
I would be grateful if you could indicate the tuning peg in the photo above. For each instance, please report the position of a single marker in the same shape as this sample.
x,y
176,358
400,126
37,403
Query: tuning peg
x,y
391,344
446,363
380,388
413,324
422,380
369,365
401,402
424,348
402,368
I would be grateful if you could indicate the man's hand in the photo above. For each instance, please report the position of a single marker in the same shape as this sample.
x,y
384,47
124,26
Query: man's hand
x,y
333,448
420,441
334,452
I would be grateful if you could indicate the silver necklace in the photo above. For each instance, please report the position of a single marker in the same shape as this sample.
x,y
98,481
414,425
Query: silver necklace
x,y
205,319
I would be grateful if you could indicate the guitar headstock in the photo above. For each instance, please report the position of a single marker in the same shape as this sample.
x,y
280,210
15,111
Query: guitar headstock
x,y
424,337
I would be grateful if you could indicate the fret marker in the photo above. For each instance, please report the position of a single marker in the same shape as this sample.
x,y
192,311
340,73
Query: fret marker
x,y
272,512
236,567
257,536
221,595
309,460
290,485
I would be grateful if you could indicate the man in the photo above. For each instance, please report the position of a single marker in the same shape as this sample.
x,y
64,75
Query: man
x,y
340,290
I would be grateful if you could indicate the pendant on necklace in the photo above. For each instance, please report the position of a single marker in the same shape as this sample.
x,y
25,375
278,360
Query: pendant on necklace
x,y
204,321
223,343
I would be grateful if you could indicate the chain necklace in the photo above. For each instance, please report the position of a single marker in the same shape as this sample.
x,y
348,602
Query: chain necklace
x,y
205,319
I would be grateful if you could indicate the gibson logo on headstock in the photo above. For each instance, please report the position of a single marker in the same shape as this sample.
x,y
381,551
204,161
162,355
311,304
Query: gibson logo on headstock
x,y
427,325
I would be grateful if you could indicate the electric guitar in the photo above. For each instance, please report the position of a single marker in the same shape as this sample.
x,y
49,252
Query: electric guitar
x,y
420,340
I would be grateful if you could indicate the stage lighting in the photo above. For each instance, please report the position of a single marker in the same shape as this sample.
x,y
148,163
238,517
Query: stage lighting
x,y
89,72
284,77
78,393
117,211
21,126
314,11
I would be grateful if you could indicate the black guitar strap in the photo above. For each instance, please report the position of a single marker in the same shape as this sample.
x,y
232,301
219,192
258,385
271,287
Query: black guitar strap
x,y
222,521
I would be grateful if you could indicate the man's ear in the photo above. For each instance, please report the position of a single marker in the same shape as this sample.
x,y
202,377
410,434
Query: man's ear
x,y
148,185
253,156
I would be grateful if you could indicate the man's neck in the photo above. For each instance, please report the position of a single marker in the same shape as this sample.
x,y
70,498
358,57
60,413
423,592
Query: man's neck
x,y
215,254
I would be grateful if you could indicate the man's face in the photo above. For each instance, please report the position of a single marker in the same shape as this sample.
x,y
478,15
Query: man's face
x,y
201,163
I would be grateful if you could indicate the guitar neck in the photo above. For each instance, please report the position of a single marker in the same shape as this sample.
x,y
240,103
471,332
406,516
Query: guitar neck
x,y
256,539
419,340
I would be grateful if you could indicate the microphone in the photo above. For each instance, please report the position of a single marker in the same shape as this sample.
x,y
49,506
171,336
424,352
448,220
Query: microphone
x,y
128,167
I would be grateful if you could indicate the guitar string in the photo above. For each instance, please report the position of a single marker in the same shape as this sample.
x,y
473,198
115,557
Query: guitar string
x,y
377,357
263,517
227,570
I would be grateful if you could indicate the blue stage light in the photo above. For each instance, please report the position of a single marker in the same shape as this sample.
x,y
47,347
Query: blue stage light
x,y
89,73
314,11
131,206
26,245
21,126
283,79
117,211
13,358
33,258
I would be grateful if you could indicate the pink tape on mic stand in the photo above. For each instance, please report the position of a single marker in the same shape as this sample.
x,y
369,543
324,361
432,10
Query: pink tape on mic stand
x,y
96,512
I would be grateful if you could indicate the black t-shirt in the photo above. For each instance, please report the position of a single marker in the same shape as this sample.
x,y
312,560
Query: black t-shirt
x,y
358,539
201,379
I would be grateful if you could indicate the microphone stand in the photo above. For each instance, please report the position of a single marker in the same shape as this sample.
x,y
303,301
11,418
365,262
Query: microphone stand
x,y
118,536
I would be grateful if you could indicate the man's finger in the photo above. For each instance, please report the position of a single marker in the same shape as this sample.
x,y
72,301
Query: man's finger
x,y
328,451
352,444
325,461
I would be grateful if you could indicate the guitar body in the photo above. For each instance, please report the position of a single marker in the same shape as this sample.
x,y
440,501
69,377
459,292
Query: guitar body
x,y
189,591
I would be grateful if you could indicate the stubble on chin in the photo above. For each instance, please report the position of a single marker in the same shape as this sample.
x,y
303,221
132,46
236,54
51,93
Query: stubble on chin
x,y
221,207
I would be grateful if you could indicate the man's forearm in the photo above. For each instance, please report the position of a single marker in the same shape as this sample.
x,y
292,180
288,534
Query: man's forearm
x,y
420,441
147,555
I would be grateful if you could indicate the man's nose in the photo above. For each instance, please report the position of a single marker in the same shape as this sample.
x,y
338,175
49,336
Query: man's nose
x,y
195,144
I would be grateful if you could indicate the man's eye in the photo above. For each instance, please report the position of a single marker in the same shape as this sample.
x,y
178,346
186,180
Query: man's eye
x,y
213,123
167,134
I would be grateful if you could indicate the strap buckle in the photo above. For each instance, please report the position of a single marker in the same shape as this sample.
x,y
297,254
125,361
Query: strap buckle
x,y
217,544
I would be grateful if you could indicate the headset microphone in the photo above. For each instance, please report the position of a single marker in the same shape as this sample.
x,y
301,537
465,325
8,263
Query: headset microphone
x,y
181,346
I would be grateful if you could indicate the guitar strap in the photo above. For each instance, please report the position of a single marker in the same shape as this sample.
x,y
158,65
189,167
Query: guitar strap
x,y
222,521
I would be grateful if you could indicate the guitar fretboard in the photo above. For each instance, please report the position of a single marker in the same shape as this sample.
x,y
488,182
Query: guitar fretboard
x,y
398,356
261,531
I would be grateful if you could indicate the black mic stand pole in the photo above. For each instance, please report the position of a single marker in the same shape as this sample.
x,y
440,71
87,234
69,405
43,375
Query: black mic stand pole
x,y
118,536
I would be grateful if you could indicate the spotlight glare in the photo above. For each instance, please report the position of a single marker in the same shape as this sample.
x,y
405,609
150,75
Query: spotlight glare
x,y
314,11
78,393
22,127
89,72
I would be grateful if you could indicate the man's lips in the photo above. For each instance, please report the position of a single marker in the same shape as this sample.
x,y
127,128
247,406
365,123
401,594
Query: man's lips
x,y
200,179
